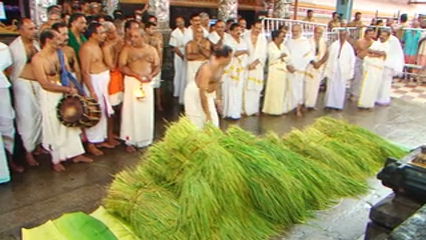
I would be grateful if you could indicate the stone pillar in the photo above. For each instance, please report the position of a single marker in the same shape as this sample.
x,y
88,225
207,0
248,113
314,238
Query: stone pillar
x,y
344,7
228,9
282,9
160,9
38,10
110,5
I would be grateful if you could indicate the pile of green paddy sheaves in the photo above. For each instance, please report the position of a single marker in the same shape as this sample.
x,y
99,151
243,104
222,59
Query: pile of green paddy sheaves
x,y
208,185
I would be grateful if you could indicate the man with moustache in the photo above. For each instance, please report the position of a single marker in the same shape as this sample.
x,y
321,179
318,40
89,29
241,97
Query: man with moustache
x,y
76,34
96,77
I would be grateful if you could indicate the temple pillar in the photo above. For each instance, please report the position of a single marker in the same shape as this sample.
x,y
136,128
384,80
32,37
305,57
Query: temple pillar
x,y
160,9
38,10
282,9
228,9
344,7
110,5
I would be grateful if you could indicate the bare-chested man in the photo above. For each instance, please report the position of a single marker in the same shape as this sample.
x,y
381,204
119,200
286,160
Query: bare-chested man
x,y
140,64
96,77
155,39
25,89
62,142
111,50
69,52
361,50
335,21
197,51
200,95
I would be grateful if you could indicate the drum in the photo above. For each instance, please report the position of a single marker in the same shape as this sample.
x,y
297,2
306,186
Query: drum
x,y
78,111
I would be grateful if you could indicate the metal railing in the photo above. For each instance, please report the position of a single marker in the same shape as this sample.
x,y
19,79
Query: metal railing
x,y
271,24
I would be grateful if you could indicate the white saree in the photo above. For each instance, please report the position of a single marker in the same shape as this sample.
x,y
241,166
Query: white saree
x,y
233,80
277,83
339,69
27,106
255,77
314,76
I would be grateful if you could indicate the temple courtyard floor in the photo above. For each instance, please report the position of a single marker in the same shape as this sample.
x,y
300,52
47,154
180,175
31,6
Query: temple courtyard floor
x,y
40,194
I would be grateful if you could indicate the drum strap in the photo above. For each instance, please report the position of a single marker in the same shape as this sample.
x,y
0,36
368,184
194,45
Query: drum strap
x,y
66,75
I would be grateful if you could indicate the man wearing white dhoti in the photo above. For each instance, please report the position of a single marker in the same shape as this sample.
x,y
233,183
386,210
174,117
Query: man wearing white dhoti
x,y
302,55
7,115
361,49
96,78
140,64
257,46
315,70
234,76
177,43
277,84
62,142
200,95
195,21
197,52
339,69
373,71
25,89
393,66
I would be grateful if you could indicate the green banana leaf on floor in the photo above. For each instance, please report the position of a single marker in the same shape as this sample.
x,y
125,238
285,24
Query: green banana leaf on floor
x,y
80,226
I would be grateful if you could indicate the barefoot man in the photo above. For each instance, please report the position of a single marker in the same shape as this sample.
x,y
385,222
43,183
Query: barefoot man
x,y
25,89
69,52
111,49
140,64
96,78
200,95
62,142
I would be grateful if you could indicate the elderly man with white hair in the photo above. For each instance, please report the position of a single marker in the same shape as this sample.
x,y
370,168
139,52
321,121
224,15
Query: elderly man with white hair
x,y
205,21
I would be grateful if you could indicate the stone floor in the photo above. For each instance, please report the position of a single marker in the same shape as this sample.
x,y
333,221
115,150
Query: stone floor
x,y
40,194
412,92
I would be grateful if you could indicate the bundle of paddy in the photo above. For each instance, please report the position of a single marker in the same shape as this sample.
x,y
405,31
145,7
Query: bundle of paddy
x,y
273,190
298,142
149,209
358,137
321,183
357,156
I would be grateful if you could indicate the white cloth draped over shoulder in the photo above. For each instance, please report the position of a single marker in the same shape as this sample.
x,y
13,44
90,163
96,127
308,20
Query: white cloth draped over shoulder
x,y
62,142
137,123
373,71
255,78
214,38
189,35
301,55
393,66
314,76
339,69
233,80
177,40
27,106
7,114
277,84
100,81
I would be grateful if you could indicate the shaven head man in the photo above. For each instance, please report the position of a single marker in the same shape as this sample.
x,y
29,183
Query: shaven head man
x,y
296,31
96,76
46,67
140,64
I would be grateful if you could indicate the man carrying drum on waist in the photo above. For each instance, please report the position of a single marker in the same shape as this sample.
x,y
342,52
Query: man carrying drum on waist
x,y
62,142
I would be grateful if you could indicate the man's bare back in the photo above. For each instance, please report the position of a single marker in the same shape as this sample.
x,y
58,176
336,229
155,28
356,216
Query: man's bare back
x,y
96,58
362,46
209,77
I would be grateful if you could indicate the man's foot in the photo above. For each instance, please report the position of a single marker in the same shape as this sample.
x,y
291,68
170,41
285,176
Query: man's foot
x,y
91,148
299,113
58,167
105,145
82,159
40,150
111,141
116,137
29,157
130,149
256,114
15,167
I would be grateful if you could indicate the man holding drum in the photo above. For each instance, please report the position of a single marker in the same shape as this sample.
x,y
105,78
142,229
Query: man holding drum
x,y
62,142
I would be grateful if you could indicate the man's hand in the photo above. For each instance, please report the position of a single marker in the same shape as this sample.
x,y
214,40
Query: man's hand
x,y
219,106
291,69
93,95
252,66
317,65
72,91
145,78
